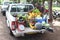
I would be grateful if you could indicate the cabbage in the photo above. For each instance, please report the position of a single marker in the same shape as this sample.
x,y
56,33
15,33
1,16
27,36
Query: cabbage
x,y
36,10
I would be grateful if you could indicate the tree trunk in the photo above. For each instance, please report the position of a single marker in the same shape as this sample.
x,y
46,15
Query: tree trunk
x,y
50,9
43,2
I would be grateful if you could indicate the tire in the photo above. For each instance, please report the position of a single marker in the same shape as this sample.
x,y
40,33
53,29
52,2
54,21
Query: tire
x,y
11,32
4,13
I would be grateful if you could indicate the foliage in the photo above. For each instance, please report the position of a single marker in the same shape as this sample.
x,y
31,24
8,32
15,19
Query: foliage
x,y
28,0
36,11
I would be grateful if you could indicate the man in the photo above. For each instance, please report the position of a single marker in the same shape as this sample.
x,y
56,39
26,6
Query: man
x,y
41,8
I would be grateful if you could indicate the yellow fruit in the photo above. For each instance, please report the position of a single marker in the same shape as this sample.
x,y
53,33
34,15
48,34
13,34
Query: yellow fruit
x,y
38,15
29,13
29,17
32,14
31,26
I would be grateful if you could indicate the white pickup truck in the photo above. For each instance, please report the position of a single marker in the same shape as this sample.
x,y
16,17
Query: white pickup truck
x,y
17,27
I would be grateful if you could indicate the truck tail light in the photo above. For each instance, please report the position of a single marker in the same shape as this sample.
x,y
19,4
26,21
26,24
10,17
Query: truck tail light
x,y
13,25
21,27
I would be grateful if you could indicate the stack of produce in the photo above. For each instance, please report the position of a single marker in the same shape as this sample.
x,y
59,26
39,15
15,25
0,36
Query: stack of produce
x,y
34,13
24,17
40,22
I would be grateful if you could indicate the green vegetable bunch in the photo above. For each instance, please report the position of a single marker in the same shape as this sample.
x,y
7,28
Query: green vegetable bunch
x,y
36,10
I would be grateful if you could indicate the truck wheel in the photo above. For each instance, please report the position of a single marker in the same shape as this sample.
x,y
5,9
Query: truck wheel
x,y
3,13
11,32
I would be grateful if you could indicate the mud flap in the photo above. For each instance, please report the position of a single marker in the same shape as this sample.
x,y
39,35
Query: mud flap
x,y
50,29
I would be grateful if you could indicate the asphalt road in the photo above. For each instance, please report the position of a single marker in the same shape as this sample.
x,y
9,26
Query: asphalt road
x,y
4,33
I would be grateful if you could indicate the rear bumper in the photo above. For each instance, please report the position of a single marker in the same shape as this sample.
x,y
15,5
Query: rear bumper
x,y
28,30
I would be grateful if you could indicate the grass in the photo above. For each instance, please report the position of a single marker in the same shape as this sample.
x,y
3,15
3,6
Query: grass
x,y
53,8
56,8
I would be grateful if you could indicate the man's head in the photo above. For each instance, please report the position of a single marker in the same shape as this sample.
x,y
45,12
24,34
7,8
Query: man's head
x,y
36,4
